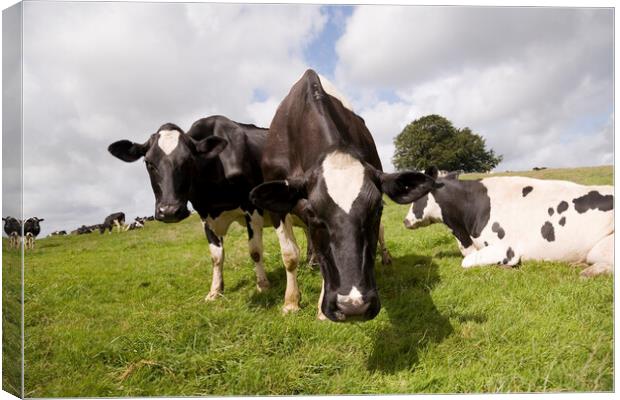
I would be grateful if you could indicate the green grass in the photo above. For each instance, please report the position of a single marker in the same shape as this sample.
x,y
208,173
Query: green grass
x,y
585,175
11,320
123,315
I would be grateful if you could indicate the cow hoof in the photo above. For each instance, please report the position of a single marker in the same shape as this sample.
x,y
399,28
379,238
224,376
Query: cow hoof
x,y
262,286
290,308
213,296
320,316
596,269
386,258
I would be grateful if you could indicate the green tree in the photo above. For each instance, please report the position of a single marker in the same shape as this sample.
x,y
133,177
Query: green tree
x,y
433,140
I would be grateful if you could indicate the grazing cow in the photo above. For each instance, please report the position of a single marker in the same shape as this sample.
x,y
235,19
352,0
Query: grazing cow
x,y
320,164
84,230
214,166
503,220
31,231
117,219
137,224
58,233
13,229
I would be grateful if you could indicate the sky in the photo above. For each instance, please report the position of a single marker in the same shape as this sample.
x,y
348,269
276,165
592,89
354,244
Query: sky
x,y
535,83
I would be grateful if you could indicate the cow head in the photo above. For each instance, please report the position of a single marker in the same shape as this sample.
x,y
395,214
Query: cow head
x,y
341,202
171,159
31,226
425,210
12,226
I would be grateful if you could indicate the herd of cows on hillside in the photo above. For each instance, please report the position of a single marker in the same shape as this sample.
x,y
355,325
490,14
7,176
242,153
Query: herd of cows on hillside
x,y
32,228
317,167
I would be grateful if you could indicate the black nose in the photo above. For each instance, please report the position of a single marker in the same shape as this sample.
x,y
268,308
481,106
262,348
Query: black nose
x,y
171,212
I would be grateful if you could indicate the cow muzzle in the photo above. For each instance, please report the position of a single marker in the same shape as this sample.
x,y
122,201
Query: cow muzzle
x,y
171,212
352,307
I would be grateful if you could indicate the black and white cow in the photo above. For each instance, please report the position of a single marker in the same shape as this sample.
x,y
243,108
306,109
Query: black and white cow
x,y
13,229
138,223
214,166
116,219
321,165
58,233
31,231
503,220
82,230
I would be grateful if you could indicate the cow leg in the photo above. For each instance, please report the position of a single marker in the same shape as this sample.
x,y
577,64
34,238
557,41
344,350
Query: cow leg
x,y
216,248
254,224
601,257
290,257
491,255
320,316
386,258
465,251
310,255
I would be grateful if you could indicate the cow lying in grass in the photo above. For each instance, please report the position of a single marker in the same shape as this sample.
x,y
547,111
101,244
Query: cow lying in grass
x,y
503,220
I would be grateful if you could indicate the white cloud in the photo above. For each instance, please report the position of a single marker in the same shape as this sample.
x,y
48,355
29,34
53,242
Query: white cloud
x,y
526,79
99,72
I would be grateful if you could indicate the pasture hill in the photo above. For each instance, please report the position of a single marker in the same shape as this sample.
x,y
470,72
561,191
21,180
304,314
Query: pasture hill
x,y
124,315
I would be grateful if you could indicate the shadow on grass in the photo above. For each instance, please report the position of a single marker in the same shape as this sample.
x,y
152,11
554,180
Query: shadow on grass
x,y
275,295
448,254
405,290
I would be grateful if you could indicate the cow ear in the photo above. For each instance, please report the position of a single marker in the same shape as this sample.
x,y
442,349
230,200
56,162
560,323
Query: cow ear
x,y
406,187
211,146
432,171
40,219
279,196
128,151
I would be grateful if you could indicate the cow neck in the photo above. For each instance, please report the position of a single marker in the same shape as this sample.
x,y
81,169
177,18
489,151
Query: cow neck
x,y
211,192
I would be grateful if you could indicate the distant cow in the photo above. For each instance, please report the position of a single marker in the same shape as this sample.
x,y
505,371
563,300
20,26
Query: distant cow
x,y
13,229
503,220
117,219
137,224
321,165
31,231
82,230
58,233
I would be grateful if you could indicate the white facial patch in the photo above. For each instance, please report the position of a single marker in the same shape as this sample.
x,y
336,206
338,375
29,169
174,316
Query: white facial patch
x,y
353,298
168,141
344,178
331,90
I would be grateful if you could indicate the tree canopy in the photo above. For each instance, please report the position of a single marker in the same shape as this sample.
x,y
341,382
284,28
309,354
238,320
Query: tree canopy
x,y
433,140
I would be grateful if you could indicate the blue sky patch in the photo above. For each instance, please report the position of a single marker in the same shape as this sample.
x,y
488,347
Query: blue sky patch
x,y
321,53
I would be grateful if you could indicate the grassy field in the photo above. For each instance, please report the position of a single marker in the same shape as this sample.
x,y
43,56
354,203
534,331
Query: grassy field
x,y
123,315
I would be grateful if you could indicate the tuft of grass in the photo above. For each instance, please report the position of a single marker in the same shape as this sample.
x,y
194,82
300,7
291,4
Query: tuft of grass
x,y
124,315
